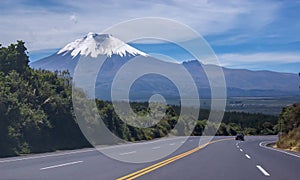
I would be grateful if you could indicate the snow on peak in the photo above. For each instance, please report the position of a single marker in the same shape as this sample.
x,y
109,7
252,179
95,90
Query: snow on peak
x,y
94,44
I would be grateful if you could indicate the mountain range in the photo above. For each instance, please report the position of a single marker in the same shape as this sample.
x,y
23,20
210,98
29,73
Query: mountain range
x,y
239,82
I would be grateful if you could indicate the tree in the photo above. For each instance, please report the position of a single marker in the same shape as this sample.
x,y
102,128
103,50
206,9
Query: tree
x,y
14,57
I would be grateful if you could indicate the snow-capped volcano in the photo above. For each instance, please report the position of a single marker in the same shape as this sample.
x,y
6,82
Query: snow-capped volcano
x,y
94,44
91,45
239,82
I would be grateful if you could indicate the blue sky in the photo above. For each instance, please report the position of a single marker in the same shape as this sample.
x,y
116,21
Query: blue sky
x,y
249,34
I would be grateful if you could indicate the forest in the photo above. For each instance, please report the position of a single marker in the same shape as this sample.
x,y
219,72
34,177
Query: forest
x,y
37,115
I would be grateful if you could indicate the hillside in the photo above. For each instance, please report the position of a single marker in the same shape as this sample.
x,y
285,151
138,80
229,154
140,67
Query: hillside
x,y
289,126
37,114
35,107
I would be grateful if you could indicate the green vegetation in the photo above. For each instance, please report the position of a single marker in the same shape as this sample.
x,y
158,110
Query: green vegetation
x,y
233,123
35,107
289,126
36,112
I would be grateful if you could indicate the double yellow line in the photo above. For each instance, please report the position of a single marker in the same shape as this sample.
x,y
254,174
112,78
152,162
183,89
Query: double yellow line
x,y
167,161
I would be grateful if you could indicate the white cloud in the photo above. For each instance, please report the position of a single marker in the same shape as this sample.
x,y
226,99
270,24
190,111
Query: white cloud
x,y
257,59
43,28
73,18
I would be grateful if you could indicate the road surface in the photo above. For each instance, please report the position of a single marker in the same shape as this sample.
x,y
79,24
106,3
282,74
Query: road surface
x,y
223,158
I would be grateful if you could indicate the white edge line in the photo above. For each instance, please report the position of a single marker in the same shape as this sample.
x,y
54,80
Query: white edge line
x,y
84,151
60,165
247,156
44,156
157,147
262,170
80,151
131,152
278,150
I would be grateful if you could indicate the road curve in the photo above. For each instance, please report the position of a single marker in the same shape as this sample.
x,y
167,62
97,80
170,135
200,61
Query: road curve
x,y
224,158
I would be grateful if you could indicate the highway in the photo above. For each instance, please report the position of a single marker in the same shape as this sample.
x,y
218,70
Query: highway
x,y
222,158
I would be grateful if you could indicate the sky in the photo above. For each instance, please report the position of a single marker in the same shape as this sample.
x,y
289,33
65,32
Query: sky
x,y
247,34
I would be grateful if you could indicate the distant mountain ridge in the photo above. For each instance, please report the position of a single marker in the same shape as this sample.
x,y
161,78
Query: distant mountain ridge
x,y
240,82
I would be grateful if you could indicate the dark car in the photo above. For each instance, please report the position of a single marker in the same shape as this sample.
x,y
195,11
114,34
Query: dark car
x,y
240,137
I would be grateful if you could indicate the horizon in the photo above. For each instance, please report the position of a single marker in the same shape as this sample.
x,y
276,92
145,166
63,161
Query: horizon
x,y
164,48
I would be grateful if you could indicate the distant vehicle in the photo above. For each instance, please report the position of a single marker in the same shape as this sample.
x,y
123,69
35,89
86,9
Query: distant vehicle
x,y
239,137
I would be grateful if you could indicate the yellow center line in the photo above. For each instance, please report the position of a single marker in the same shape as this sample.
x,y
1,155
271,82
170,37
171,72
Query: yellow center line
x,y
167,161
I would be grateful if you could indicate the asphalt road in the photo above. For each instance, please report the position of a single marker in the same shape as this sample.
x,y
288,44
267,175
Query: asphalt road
x,y
223,158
